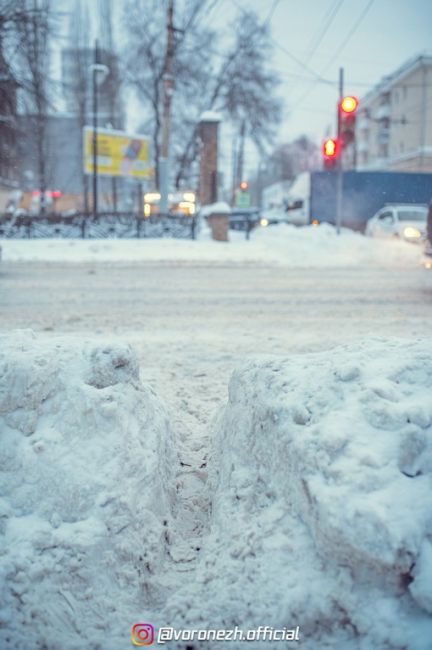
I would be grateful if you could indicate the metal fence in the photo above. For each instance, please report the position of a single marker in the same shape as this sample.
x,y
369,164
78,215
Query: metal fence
x,y
106,225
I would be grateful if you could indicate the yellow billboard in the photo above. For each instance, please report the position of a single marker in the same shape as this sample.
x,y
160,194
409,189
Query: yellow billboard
x,y
118,153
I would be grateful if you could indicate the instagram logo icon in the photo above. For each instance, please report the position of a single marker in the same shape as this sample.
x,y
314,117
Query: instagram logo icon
x,y
142,634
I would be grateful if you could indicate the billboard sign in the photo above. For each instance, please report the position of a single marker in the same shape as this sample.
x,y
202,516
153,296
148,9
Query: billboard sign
x,y
118,153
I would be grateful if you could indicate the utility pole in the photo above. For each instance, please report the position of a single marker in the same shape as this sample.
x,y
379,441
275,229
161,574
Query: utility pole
x,y
168,80
95,124
240,155
234,169
339,169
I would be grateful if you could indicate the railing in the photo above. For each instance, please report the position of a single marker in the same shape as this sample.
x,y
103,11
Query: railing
x,y
245,221
106,225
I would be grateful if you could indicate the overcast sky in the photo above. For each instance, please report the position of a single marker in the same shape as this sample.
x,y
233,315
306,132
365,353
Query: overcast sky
x,y
313,38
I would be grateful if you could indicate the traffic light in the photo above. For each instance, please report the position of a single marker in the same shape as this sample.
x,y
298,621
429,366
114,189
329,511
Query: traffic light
x,y
347,118
331,153
242,195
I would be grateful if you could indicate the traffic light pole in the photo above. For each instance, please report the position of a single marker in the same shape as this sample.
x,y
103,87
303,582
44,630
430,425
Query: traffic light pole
x,y
339,173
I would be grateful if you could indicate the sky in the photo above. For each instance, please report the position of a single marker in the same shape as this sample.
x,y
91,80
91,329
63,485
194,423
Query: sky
x,y
313,39
368,38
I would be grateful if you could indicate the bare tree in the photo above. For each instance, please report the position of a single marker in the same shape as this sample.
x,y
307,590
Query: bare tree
x,y
34,54
114,81
236,81
145,56
8,93
77,88
244,89
290,159
13,15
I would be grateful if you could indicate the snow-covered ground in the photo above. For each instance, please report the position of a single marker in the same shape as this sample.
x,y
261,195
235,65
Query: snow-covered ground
x,y
320,484
277,245
319,463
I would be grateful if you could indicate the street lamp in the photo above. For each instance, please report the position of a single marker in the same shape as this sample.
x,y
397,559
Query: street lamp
x,y
99,73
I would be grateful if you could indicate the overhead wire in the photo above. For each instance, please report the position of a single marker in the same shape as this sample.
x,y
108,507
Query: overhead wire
x,y
271,12
338,51
278,45
302,64
331,15
349,35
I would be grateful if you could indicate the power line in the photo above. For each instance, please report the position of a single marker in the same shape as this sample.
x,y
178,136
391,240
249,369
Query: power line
x,y
271,12
327,24
303,65
349,35
340,48
281,47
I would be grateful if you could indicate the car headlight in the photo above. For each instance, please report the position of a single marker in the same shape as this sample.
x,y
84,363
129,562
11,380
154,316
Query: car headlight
x,y
264,222
411,233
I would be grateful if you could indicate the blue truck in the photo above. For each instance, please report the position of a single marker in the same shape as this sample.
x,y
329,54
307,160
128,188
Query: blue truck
x,y
312,196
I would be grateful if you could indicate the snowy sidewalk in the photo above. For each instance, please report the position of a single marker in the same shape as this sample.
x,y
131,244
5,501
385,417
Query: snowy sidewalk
x,y
282,245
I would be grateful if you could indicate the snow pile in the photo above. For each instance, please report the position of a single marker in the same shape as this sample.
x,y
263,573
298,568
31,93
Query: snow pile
x,y
85,467
322,508
210,116
281,245
315,246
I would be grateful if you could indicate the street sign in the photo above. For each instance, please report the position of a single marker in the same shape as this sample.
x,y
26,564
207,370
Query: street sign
x,y
118,153
242,199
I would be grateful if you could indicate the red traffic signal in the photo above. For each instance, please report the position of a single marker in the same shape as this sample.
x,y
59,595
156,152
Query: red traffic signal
x,y
330,148
349,104
347,119
244,185
331,153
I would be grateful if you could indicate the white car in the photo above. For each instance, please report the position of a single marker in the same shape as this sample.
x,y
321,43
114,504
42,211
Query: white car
x,y
405,221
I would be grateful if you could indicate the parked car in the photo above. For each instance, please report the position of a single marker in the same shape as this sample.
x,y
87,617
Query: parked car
x,y
405,221
273,216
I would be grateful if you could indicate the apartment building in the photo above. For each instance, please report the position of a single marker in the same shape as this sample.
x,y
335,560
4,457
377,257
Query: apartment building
x,y
394,123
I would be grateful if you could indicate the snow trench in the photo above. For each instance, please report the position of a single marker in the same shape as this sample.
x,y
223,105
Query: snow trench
x,y
320,482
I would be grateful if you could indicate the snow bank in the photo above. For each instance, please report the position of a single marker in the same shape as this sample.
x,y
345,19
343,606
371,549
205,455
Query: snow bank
x,y
321,246
322,507
280,246
85,468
